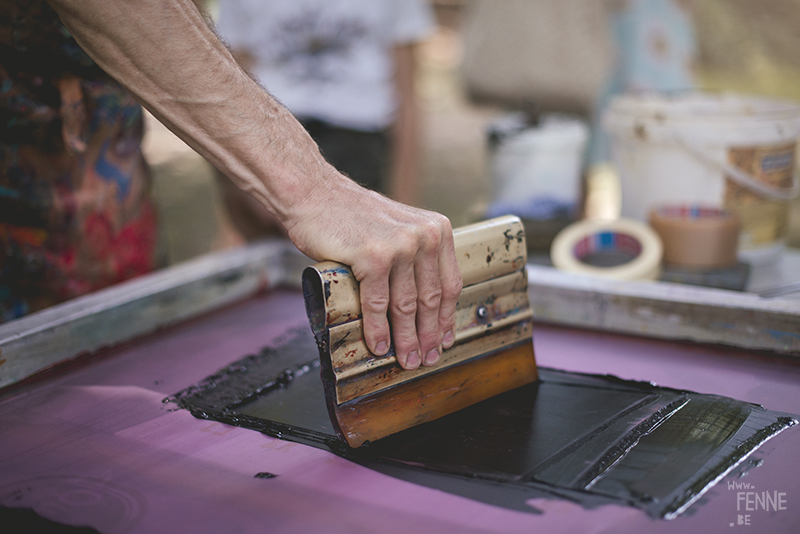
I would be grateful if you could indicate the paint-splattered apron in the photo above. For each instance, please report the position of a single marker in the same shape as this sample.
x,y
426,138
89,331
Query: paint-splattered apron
x,y
75,208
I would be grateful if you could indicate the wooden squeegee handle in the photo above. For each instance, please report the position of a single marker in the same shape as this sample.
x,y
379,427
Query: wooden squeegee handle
x,y
370,396
484,250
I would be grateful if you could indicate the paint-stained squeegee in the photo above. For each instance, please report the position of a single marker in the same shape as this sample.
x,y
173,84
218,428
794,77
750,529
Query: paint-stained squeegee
x,y
370,397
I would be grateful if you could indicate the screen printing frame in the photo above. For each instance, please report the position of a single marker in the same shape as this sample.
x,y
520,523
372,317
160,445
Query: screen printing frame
x,y
55,337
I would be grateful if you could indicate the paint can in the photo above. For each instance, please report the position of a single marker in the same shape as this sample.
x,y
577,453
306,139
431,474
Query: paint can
x,y
536,165
728,151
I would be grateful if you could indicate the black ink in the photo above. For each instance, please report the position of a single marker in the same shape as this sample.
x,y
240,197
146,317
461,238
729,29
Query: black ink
x,y
25,520
588,438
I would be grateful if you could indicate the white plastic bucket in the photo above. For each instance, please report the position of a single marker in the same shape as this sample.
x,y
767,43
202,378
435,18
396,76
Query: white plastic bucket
x,y
536,171
730,151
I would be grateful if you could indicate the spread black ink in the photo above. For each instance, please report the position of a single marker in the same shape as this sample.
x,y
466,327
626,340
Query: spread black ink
x,y
588,438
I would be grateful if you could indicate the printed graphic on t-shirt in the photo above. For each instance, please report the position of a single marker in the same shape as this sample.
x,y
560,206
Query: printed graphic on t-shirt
x,y
314,48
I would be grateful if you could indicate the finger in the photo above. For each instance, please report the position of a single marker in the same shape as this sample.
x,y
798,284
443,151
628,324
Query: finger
x,y
403,312
374,289
451,284
429,289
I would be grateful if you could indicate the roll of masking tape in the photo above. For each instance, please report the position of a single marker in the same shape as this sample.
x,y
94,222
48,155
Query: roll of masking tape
x,y
621,249
697,237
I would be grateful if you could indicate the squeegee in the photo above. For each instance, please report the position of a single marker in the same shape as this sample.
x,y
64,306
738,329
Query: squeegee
x,y
370,396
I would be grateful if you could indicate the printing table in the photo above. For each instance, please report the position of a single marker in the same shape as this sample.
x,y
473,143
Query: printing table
x,y
94,444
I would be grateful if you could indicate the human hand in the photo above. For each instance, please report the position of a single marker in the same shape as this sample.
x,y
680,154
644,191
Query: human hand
x,y
403,258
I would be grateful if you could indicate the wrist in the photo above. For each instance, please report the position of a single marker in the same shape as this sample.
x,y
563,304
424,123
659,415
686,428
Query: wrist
x,y
317,193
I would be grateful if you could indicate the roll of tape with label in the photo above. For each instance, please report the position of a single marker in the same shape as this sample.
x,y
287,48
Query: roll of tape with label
x,y
621,249
697,237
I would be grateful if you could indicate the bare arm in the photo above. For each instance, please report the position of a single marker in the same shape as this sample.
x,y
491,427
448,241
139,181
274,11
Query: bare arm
x,y
166,56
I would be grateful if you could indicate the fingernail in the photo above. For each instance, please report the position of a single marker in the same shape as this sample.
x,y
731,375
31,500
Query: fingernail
x,y
432,357
381,348
448,339
412,362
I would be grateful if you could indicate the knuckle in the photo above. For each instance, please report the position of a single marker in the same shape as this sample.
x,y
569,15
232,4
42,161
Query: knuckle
x,y
405,306
404,342
441,220
378,259
431,299
380,256
406,245
428,334
429,235
375,304
452,287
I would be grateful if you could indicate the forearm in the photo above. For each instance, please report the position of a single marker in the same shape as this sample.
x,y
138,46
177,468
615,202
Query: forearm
x,y
166,56
404,258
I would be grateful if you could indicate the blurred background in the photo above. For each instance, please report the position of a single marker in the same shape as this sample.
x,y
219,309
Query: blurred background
x,y
490,66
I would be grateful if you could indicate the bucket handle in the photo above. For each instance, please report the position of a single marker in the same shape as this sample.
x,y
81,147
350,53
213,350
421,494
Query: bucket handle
x,y
743,178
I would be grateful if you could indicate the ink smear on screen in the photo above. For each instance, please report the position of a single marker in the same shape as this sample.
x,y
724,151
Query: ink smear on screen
x,y
588,438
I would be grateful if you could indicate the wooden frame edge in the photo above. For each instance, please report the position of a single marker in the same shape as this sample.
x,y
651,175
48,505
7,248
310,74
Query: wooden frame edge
x,y
141,306
665,310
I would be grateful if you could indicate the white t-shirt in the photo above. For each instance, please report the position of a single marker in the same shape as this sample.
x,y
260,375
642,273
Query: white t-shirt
x,y
327,59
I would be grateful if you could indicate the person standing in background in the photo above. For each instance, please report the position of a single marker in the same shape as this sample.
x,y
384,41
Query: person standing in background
x,y
76,213
345,69
656,52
